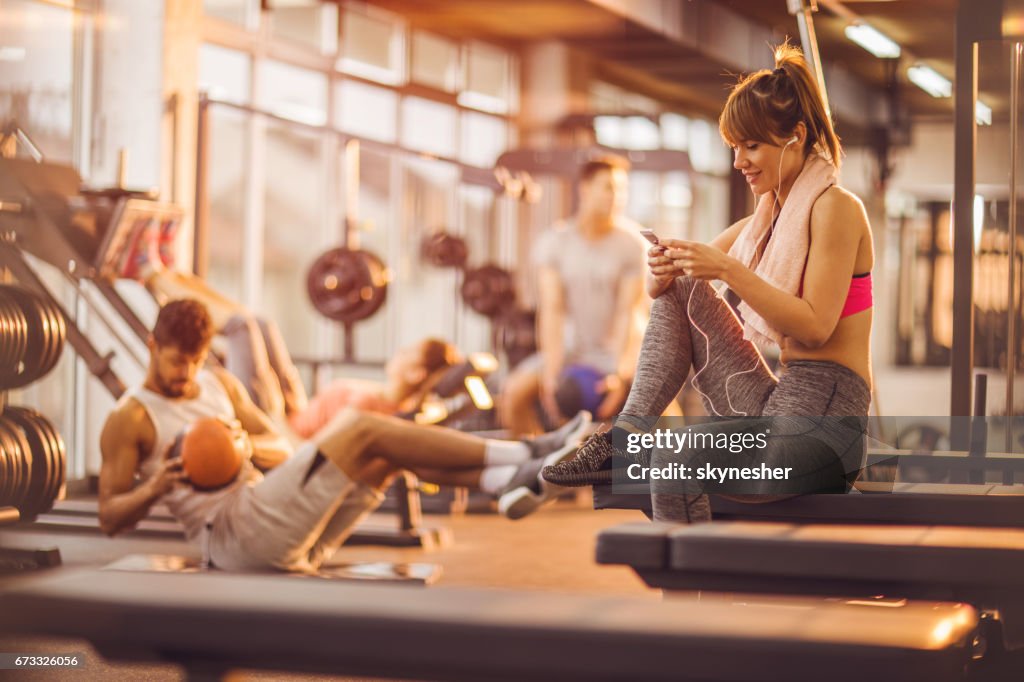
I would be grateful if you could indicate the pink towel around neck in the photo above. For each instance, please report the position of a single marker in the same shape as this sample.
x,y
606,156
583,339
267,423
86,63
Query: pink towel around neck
x,y
783,260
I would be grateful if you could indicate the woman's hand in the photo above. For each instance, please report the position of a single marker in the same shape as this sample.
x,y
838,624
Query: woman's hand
x,y
662,268
660,265
699,260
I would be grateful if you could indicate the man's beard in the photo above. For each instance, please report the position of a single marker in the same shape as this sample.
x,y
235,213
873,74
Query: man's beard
x,y
172,390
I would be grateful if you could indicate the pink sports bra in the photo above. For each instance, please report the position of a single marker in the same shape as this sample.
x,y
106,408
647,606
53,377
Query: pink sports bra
x,y
859,298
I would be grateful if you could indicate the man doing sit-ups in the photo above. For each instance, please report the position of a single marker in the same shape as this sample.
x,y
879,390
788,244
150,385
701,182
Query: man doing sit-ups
x,y
300,511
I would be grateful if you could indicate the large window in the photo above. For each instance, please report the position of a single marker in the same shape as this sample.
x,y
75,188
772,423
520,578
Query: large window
x,y
42,90
37,72
434,62
484,138
367,110
373,46
314,25
245,13
429,126
293,92
430,116
225,74
294,203
489,80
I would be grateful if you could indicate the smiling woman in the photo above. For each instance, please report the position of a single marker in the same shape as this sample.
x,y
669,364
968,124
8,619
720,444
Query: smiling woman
x,y
791,263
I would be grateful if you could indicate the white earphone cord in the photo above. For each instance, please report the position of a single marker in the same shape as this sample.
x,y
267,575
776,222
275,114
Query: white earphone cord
x,y
707,339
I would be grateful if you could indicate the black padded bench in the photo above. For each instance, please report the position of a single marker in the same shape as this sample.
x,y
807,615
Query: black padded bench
x,y
980,566
212,623
944,504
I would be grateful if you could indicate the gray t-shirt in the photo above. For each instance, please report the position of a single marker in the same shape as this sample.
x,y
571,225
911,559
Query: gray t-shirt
x,y
591,272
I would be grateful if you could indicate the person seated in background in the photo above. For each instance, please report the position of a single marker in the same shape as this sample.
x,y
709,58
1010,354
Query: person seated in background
x,y
590,301
255,354
410,373
298,513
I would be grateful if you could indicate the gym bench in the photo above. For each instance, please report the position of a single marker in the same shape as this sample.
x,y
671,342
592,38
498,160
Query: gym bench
x,y
980,566
946,504
212,623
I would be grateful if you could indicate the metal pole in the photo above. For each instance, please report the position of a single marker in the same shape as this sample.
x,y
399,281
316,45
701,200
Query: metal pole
x,y
200,222
803,11
965,141
1011,309
976,20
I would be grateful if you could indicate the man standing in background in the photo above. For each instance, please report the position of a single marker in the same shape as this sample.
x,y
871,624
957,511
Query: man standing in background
x,y
591,307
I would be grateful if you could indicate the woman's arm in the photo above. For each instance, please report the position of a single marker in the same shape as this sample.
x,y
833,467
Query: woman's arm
x,y
838,222
662,271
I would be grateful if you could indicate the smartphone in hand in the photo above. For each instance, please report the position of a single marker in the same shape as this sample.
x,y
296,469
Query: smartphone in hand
x,y
650,236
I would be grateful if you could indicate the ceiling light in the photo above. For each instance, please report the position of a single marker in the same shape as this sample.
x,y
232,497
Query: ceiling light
x,y
873,41
929,80
982,113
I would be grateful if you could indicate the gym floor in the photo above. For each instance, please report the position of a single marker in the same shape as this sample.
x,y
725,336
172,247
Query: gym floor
x,y
552,550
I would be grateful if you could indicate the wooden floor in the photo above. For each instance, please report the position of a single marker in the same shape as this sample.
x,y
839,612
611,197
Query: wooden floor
x,y
552,550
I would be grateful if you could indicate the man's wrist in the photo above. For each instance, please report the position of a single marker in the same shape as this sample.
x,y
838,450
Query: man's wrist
x,y
152,492
149,491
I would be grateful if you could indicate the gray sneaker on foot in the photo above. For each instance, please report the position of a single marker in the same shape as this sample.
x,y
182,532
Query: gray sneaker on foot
x,y
570,433
527,491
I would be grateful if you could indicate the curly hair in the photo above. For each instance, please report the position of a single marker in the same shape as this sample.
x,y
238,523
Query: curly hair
x,y
185,324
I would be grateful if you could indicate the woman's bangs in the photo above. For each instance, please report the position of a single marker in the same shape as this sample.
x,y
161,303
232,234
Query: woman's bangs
x,y
745,118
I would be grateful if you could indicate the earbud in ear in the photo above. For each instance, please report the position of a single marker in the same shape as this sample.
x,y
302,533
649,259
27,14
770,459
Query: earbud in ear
x,y
793,139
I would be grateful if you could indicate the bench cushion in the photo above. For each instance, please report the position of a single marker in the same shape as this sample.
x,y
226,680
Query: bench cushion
x,y
903,503
640,545
277,623
935,554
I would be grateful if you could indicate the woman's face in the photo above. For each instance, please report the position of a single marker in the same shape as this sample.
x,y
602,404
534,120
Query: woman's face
x,y
761,163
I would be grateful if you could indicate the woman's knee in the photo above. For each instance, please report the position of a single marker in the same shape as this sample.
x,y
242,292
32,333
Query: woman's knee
x,y
677,295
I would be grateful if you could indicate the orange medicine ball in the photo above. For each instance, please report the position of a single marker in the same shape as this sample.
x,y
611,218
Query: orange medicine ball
x,y
209,454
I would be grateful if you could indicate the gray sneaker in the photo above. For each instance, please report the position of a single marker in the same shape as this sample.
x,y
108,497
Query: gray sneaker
x,y
594,463
570,433
527,491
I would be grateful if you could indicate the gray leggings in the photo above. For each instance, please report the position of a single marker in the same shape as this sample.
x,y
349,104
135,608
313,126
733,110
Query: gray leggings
x,y
691,326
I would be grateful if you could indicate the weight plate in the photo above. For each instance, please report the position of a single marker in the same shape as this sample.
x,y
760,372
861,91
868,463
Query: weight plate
x,y
347,285
488,290
39,483
54,450
17,334
20,460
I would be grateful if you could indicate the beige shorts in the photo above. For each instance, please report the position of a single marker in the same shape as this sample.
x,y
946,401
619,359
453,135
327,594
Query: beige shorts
x,y
292,519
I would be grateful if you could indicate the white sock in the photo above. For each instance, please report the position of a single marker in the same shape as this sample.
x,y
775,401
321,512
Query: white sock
x,y
494,479
498,452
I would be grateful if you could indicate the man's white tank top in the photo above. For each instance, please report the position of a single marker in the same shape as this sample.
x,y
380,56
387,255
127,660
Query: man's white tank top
x,y
193,508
